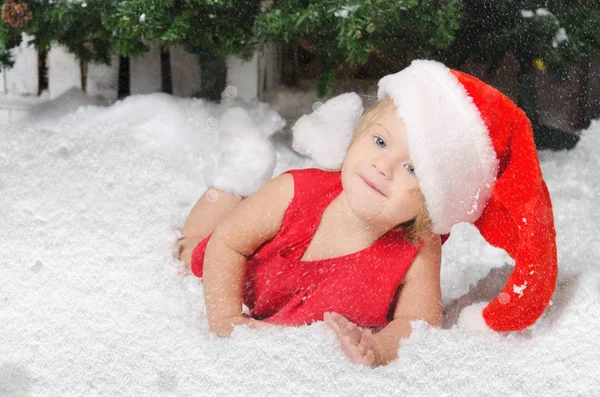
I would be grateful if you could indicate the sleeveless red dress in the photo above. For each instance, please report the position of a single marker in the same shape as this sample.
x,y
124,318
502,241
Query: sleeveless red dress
x,y
282,289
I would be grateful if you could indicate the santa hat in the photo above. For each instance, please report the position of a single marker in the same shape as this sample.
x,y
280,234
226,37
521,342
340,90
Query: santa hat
x,y
476,162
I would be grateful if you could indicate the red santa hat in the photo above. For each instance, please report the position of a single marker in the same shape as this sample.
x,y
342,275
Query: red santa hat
x,y
476,162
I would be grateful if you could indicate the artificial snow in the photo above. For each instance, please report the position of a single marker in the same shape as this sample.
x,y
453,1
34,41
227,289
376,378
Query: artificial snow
x,y
543,12
561,35
92,302
527,13
345,11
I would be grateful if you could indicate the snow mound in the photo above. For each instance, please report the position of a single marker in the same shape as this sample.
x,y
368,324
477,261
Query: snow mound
x,y
92,302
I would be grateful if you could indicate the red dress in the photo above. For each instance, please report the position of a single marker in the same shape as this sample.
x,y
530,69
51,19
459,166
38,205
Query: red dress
x,y
282,289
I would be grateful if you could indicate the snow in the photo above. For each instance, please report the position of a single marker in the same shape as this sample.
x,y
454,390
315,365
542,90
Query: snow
x,y
345,11
92,302
543,12
561,35
527,13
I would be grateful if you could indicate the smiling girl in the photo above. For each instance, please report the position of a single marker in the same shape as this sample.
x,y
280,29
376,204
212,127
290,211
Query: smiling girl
x,y
360,247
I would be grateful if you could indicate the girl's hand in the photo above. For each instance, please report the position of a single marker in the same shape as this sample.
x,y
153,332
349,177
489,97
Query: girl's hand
x,y
357,344
224,327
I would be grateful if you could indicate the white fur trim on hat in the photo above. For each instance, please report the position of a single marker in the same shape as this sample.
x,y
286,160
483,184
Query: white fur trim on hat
x,y
448,140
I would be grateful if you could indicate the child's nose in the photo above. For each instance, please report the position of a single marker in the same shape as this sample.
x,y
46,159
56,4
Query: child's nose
x,y
383,166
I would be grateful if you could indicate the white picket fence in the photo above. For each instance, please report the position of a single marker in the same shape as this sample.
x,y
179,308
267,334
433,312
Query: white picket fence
x,y
19,84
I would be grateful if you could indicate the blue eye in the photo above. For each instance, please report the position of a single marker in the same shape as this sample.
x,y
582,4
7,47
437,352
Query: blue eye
x,y
410,168
380,142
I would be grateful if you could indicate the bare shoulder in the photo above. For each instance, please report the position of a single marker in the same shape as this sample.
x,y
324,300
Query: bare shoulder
x,y
258,218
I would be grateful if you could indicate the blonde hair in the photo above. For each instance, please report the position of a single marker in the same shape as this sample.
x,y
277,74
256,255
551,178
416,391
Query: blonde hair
x,y
421,224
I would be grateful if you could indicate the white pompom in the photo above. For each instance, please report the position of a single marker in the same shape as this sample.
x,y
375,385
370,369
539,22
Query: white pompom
x,y
324,135
471,319
247,158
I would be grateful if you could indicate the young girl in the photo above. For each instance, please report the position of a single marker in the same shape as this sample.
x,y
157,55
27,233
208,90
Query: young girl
x,y
360,247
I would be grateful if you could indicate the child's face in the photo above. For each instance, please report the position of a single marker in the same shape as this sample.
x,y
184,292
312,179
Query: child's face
x,y
380,157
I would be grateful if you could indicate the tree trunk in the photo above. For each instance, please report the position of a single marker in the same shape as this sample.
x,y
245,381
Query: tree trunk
x,y
583,119
527,96
165,71
545,137
42,71
83,67
213,75
124,87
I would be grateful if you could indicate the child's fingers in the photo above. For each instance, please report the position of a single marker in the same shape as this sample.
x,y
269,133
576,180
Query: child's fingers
x,y
332,324
369,359
341,320
360,351
343,326
365,342
352,333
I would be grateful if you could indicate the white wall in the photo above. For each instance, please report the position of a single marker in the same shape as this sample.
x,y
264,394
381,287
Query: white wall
x,y
64,71
185,70
145,72
243,76
22,78
249,79
103,80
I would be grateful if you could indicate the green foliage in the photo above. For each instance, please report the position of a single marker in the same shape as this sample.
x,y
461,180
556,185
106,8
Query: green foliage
x,y
9,38
90,29
349,30
557,32
222,27
79,26
541,34
341,31
75,24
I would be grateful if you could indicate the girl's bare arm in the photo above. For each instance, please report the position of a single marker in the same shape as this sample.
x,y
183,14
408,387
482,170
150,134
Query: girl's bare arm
x,y
420,298
252,222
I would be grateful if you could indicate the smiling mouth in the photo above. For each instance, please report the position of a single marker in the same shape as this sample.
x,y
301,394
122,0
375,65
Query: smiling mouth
x,y
372,186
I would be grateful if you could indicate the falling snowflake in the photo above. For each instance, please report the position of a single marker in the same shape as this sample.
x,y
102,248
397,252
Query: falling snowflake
x,y
474,206
543,12
519,289
345,11
527,13
561,35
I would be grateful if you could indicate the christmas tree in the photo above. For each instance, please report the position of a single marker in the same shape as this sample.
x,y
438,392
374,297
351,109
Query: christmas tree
x,y
212,29
344,31
91,29
549,35
77,25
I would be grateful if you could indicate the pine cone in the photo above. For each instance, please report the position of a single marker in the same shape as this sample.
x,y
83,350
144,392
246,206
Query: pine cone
x,y
16,13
